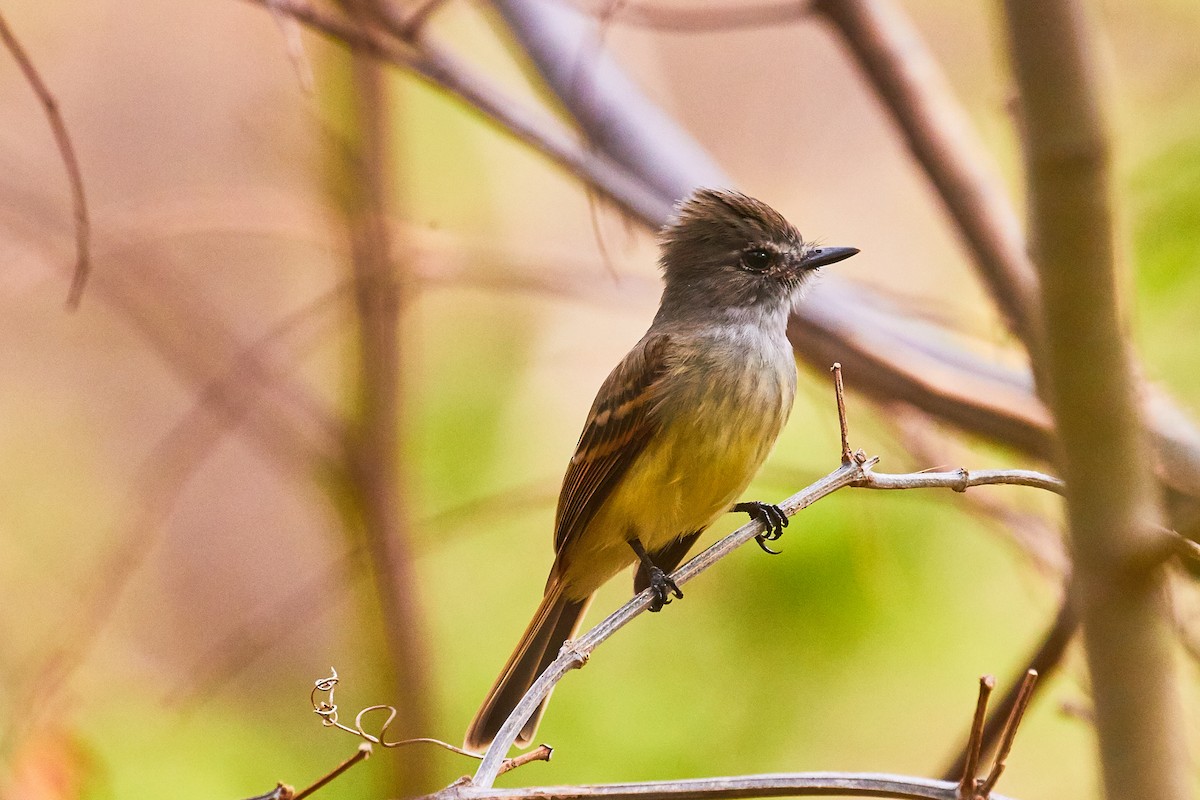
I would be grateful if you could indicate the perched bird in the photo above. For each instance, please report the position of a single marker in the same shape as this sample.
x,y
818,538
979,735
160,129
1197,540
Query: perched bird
x,y
678,429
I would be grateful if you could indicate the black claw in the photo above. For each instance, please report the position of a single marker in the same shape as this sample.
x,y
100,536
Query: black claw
x,y
771,516
762,543
663,587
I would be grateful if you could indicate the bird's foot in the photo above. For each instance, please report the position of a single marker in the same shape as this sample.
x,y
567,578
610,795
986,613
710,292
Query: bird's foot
x,y
663,587
772,518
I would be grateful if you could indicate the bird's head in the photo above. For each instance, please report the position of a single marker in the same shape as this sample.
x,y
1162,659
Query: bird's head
x,y
724,250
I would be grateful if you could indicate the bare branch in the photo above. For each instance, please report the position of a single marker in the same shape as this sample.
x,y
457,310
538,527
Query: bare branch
x,y
1111,507
677,18
909,81
1010,732
801,784
66,150
575,654
966,783
962,479
843,425
442,69
375,439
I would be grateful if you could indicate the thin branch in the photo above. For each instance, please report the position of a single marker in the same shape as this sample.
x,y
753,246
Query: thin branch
x,y
800,784
375,439
1010,732
362,754
967,782
686,19
576,653
907,78
66,150
843,425
962,479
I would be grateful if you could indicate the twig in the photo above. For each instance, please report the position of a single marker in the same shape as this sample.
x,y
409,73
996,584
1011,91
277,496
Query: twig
x,y
962,479
843,425
731,16
70,162
542,752
1010,733
294,44
362,754
967,783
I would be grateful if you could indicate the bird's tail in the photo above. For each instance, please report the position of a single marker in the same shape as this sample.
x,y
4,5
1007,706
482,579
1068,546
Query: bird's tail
x,y
557,620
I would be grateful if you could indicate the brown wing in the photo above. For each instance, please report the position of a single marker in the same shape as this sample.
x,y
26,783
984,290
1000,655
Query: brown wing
x,y
619,425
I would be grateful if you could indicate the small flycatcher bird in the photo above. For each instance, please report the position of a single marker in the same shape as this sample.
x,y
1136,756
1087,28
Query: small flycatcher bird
x,y
678,429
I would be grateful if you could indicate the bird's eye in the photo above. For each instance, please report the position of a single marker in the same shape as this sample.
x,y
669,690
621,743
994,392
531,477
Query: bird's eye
x,y
757,259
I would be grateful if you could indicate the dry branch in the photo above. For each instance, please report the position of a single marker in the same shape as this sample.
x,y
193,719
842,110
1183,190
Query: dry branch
x,y
801,784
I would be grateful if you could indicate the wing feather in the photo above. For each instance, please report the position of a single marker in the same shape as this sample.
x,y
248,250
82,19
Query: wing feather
x,y
620,424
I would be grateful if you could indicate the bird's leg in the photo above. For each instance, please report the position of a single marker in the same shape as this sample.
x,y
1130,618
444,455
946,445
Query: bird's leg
x,y
660,582
772,518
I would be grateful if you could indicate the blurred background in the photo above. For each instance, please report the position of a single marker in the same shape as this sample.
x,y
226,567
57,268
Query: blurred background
x,y
180,558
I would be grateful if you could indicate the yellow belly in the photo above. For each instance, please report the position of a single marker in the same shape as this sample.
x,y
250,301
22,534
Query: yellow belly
x,y
691,473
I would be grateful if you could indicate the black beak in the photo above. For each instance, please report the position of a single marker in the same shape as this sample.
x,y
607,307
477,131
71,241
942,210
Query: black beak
x,y
822,256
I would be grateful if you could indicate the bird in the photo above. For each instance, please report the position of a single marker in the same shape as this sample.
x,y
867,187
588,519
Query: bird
x,y
677,430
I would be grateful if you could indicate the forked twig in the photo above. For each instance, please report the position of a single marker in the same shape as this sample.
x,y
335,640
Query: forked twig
x,y
1010,733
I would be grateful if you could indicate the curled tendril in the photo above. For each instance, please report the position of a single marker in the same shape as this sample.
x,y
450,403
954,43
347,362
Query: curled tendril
x,y
327,710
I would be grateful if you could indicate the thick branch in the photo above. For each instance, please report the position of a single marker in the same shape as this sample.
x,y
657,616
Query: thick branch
x,y
1110,505
375,468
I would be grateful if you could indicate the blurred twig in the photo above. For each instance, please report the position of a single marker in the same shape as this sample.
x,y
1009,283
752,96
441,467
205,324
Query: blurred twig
x,y
907,78
375,439
679,18
250,381
66,150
